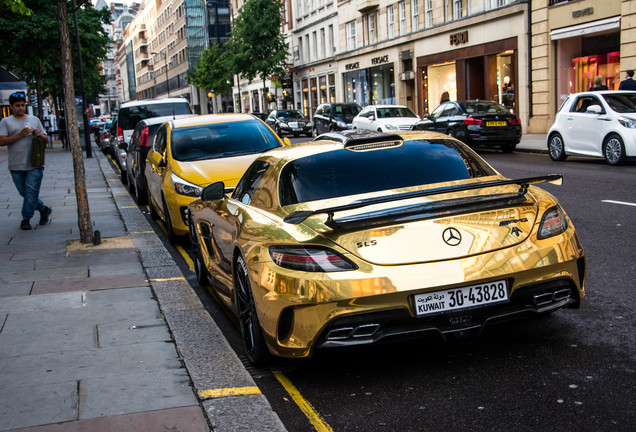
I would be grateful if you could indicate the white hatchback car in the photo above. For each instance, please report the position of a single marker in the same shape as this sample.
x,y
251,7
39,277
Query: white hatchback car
x,y
385,118
599,124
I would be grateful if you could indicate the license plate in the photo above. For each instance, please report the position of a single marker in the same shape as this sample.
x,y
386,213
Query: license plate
x,y
495,123
461,298
297,129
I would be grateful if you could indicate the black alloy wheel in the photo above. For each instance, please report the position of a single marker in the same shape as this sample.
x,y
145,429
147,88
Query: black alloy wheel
x,y
614,150
251,333
172,236
154,215
556,148
508,147
199,267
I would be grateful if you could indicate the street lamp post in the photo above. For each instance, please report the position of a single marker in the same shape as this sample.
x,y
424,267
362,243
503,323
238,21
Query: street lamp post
x,y
166,59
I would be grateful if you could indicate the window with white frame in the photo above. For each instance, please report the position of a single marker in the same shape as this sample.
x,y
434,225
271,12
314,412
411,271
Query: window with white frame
x,y
307,50
415,15
457,9
351,35
323,43
428,13
331,48
494,4
299,7
390,22
402,15
314,41
370,21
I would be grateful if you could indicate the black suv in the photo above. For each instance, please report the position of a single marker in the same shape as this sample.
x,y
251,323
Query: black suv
x,y
331,117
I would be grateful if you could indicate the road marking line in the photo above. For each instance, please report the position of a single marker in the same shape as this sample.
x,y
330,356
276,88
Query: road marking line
x,y
224,392
167,279
314,418
619,202
186,257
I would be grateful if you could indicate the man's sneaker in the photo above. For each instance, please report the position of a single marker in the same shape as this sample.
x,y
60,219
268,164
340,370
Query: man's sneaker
x,y
25,225
44,215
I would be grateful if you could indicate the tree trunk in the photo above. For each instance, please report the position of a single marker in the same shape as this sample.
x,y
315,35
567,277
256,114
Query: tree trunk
x,y
81,196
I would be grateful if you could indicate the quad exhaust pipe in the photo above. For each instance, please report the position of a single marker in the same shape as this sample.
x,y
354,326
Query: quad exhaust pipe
x,y
342,333
547,298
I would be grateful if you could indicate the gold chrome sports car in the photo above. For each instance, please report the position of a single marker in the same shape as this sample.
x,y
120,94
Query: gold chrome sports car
x,y
190,153
374,237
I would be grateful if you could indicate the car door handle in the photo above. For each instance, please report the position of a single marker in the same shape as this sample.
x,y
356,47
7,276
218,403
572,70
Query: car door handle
x,y
604,118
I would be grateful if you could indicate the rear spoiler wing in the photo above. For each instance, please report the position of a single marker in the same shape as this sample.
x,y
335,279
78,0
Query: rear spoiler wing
x,y
300,216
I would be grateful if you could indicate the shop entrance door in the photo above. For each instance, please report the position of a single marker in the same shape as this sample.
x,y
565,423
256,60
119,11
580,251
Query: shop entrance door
x,y
475,79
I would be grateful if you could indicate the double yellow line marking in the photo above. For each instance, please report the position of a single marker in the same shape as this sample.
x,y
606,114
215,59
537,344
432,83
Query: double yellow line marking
x,y
224,392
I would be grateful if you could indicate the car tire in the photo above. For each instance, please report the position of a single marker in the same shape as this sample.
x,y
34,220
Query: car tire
x,y
199,267
451,133
142,196
278,132
154,215
556,147
251,333
131,186
508,147
172,236
614,150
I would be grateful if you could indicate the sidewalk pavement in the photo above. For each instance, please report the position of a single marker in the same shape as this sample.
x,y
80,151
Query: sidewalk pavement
x,y
108,337
534,143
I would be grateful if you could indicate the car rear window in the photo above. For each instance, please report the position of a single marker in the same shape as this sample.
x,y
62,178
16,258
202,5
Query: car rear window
x,y
344,172
483,107
130,116
220,140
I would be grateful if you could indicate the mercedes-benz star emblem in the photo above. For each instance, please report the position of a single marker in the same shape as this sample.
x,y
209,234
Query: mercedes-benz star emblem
x,y
452,236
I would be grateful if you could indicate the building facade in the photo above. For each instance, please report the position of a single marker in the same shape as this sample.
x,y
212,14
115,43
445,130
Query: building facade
x,y
572,42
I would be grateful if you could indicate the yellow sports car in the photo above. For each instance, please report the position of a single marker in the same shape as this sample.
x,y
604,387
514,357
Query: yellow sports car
x,y
371,237
192,152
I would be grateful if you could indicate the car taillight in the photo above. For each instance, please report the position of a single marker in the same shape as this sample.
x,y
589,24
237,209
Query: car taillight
x,y
120,135
310,259
472,121
143,139
515,121
553,223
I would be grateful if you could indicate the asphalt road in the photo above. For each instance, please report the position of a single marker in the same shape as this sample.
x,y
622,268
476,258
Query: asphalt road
x,y
574,370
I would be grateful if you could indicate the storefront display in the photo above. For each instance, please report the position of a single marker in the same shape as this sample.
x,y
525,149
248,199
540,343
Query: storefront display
x,y
370,86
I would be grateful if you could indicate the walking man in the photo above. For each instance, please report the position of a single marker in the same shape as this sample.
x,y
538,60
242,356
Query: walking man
x,y
16,133
628,83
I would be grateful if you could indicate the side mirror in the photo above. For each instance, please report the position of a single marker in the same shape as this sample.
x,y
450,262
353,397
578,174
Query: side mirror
x,y
157,159
213,191
426,116
286,142
594,109
372,117
123,146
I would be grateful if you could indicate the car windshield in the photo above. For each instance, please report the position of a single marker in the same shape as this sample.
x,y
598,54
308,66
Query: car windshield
x,y
219,140
624,103
344,172
395,112
130,116
483,107
290,115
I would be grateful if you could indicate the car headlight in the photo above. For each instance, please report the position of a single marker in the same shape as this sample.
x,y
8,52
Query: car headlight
x,y
390,127
627,122
308,124
310,259
341,124
553,223
283,124
183,187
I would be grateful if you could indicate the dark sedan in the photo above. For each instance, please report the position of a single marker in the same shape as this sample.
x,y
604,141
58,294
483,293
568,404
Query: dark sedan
x,y
476,123
289,122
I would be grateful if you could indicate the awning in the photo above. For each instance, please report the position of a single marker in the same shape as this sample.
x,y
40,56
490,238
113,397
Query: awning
x,y
586,28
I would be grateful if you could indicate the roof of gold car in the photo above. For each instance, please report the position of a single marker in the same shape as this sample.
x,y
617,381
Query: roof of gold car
x,y
210,119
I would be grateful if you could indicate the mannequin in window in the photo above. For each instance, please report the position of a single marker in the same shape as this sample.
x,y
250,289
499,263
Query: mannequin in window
x,y
507,87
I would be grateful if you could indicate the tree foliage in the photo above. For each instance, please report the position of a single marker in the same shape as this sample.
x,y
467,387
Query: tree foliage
x,y
213,72
31,49
257,44
17,7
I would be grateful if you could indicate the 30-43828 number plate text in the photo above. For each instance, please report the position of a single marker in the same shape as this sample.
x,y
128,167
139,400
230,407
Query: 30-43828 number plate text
x,y
461,298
